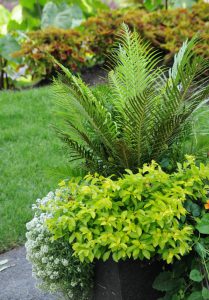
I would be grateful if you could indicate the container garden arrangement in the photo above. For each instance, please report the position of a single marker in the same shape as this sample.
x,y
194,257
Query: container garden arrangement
x,y
133,214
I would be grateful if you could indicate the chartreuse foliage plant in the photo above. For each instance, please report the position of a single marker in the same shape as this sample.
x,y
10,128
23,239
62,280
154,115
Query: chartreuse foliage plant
x,y
136,216
142,114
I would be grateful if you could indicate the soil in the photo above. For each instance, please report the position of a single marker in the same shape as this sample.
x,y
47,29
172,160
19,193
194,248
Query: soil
x,y
92,76
95,75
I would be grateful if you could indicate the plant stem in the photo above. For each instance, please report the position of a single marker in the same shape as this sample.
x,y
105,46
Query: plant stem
x,y
166,4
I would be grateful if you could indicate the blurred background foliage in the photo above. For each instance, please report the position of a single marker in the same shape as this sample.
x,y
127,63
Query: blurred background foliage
x,y
79,33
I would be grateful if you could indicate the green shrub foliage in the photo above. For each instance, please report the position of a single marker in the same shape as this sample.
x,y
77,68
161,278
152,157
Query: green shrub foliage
x,y
189,278
137,216
88,45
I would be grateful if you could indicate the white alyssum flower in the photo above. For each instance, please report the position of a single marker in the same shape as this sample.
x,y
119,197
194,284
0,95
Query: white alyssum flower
x,y
65,262
48,257
56,261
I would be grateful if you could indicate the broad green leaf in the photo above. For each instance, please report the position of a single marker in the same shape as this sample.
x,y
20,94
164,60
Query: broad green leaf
x,y
14,25
205,293
4,19
27,4
89,7
200,249
30,3
17,14
31,13
195,296
61,16
192,208
165,282
8,45
203,225
152,4
195,275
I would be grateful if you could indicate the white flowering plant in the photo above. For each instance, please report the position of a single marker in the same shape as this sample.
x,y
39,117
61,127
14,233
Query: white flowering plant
x,y
53,263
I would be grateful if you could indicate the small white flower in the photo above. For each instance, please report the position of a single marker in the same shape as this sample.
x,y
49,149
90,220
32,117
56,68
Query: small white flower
x,y
45,249
65,262
70,294
37,255
44,260
73,283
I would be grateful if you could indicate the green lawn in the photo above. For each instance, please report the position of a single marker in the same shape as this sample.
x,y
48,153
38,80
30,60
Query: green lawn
x,y
29,150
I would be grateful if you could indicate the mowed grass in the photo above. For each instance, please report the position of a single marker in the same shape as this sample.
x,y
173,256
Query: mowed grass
x,y
29,152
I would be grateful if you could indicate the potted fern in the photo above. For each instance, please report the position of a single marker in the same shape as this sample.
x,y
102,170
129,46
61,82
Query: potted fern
x,y
143,114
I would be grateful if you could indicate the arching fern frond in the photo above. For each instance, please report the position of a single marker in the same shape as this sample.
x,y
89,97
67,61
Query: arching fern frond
x,y
143,113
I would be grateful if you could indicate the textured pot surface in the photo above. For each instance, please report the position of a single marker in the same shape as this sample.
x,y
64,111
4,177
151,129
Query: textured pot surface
x,y
125,280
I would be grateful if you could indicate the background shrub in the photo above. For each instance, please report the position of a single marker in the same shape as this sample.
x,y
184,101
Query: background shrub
x,y
88,45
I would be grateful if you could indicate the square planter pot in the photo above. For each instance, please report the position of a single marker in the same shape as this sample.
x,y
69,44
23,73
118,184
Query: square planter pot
x,y
125,280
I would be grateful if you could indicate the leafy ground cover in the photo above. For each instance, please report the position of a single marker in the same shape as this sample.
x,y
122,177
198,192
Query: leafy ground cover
x,y
29,148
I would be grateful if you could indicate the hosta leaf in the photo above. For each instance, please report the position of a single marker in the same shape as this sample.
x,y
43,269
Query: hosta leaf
x,y
8,45
61,16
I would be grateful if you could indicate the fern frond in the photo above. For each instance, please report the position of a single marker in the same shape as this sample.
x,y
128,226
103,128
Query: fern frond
x,y
82,106
143,114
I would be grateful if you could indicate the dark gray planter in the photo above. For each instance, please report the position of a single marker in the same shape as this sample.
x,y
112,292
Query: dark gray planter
x,y
125,280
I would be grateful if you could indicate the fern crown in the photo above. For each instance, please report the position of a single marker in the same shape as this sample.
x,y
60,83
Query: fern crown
x,y
141,114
